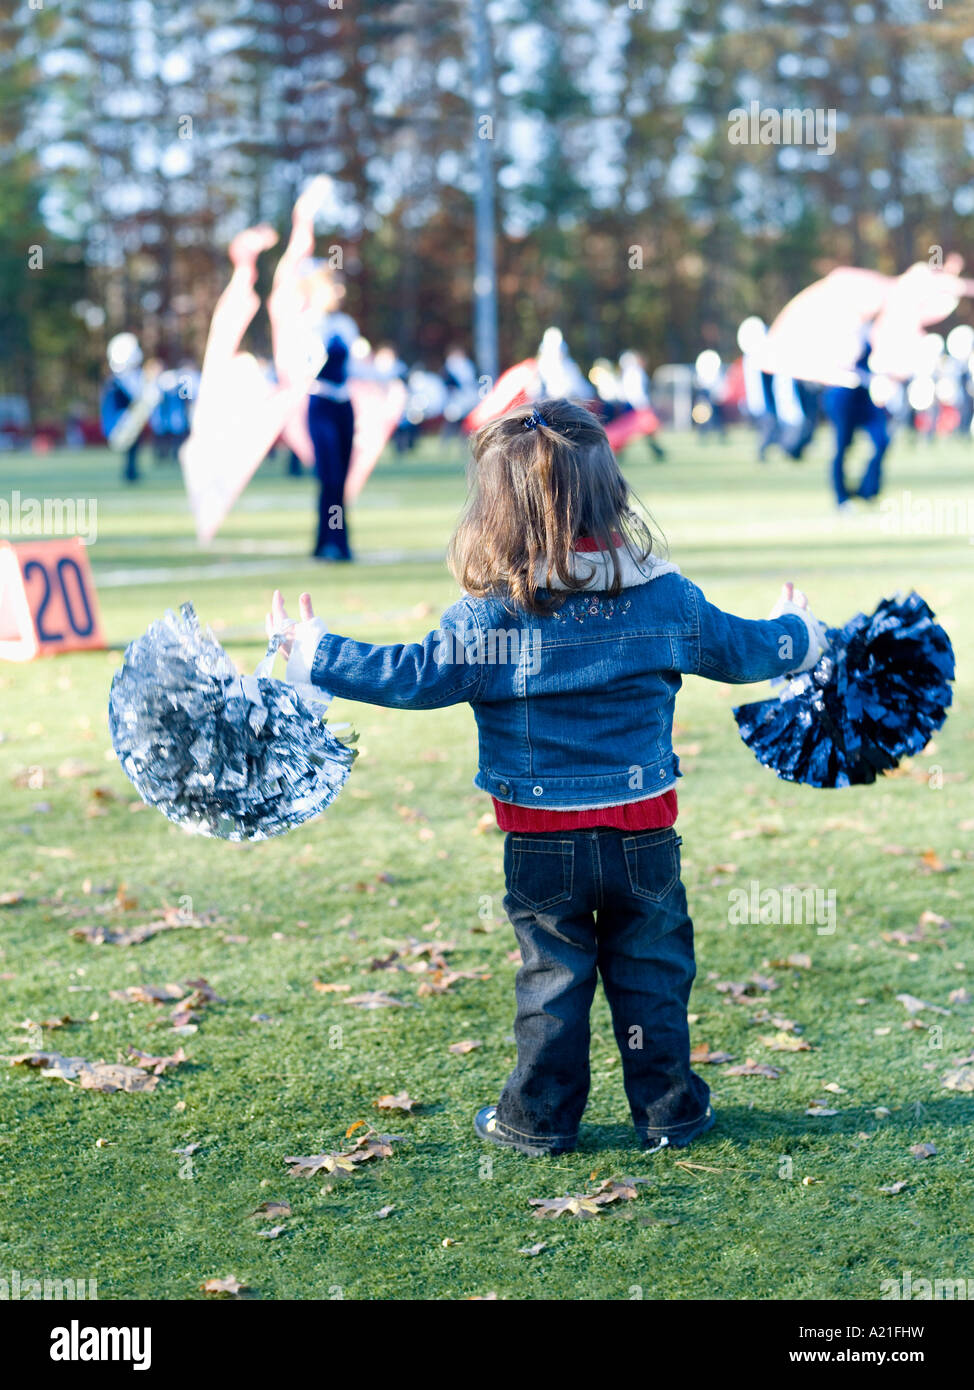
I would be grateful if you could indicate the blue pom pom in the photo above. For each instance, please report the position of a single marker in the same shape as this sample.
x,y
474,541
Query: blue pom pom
x,y
876,696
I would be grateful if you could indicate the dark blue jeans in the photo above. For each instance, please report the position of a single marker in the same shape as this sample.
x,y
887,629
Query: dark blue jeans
x,y
849,409
589,903
331,425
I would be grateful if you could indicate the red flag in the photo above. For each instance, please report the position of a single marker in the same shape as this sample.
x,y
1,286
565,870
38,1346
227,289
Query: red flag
x,y
635,424
518,385
378,407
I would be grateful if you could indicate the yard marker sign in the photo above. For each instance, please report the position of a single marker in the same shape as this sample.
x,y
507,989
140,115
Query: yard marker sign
x,y
47,599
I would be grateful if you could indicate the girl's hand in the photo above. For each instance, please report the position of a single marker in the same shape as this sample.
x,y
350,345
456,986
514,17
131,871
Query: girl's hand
x,y
792,600
300,640
277,619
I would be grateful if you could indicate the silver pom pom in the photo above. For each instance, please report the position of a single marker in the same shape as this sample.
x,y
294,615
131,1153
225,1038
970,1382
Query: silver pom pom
x,y
235,757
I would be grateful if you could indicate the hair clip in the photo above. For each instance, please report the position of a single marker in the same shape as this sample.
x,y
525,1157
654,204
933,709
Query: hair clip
x,y
532,421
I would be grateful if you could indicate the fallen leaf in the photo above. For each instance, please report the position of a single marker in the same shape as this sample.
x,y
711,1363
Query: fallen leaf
x,y
784,1042
229,1286
91,1076
376,999
959,1079
532,1250
579,1205
752,1068
383,1212
11,899
460,1048
367,1146
895,1187
913,1005
326,987
702,1054
272,1208
923,1150
401,1101
271,1233
158,1065
148,994
820,1111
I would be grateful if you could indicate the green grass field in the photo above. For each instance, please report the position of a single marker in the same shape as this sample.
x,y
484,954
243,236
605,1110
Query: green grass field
x,y
774,1203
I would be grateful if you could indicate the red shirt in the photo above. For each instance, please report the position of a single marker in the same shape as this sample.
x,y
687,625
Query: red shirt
x,y
653,813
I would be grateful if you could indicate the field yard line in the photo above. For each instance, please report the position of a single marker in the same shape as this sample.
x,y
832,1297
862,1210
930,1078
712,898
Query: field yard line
x,y
228,569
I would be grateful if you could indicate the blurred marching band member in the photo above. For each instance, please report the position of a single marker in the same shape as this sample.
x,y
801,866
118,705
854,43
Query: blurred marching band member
x,y
331,417
851,408
463,387
171,419
559,374
855,331
128,398
710,390
626,394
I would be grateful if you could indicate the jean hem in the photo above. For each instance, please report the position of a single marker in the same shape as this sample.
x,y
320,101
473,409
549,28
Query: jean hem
x,y
544,1141
652,1131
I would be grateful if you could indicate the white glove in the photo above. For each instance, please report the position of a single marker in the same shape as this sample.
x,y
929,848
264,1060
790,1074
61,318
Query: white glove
x,y
792,600
305,638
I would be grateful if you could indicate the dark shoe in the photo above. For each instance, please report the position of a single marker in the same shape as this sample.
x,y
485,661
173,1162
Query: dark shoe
x,y
654,1143
334,554
485,1122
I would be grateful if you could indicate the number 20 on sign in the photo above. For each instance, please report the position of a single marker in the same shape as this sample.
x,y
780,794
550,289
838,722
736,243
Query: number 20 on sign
x,y
47,600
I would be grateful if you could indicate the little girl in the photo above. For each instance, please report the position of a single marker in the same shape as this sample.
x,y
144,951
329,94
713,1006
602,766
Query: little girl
x,y
569,642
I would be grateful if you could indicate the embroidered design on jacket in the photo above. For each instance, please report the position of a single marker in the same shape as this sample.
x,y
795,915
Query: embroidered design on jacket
x,y
590,606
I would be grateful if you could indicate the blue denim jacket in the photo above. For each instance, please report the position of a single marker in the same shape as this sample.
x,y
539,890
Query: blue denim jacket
x,y
574,709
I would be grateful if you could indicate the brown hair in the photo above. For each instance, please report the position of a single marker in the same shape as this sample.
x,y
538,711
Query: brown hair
x,y
541,477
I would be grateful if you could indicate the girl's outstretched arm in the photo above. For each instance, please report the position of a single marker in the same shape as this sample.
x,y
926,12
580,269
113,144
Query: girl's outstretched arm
x,y
445,668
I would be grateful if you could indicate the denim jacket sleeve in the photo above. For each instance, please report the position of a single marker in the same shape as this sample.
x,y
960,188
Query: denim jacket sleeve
x,y
742,650
443,669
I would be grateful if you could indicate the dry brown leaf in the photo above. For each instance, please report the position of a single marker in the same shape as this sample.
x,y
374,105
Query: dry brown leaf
x,y
274,1207
923,1150
115,1076
913,1005
960,1078
895,1187
148,994
229,1287
578,1205
401,1101
367,1146
326,987
784,1042
157,1065
91,1076
376,999
702,1054
752,1068
467,1045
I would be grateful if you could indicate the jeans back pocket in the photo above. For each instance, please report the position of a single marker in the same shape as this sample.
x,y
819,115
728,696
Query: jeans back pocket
x,y
540,873
652,863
